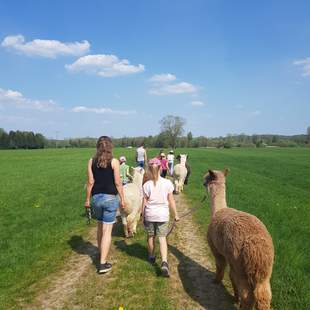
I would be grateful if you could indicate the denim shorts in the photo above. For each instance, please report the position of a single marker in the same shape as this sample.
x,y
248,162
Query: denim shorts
x,y
140,163
104,207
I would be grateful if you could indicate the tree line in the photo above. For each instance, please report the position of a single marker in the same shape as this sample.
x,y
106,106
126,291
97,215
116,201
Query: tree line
x,y
171,135
21,140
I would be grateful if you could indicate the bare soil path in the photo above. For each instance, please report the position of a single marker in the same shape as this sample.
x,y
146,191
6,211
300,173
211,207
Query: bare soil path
x,y
192,269
77,286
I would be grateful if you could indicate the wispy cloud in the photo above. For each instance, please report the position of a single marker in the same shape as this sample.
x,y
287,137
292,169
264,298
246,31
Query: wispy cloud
x,y
255,113
197,103
104,65
164,84
160,78
83,109
17,99
304,64
45,48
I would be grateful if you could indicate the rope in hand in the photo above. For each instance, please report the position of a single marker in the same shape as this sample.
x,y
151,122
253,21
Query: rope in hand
x,y
185,214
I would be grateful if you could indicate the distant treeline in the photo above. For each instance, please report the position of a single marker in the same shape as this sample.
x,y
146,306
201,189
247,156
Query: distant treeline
x,y
29,140
159,141
21,140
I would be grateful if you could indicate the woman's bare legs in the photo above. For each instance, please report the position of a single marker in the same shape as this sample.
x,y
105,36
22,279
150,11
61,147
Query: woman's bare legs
x,y
104,236
99,236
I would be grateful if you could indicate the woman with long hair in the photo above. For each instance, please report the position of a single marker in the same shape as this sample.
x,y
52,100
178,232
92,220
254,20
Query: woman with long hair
x,y
158,197
105,191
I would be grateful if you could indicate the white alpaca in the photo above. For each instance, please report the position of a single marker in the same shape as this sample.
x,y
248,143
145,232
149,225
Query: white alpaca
x,y
179,174
133,200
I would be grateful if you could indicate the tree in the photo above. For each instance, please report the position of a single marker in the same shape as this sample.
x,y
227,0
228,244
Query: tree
x,y
172,128
189,139
308,135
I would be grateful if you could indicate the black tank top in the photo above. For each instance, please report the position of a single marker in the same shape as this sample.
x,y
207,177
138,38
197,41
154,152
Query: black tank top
x,y
104,180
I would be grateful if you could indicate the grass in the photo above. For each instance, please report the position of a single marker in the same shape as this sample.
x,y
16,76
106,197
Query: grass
x,y
273,185
41,208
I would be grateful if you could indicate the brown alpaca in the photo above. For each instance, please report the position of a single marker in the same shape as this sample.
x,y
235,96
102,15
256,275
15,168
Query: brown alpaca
x,y
242,241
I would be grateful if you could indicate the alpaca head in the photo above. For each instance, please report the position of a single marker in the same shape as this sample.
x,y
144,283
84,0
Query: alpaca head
x,y
137,178
215,177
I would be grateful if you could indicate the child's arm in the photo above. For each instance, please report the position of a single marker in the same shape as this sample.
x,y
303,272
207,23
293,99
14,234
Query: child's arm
x,y
128,174
143,209
173,206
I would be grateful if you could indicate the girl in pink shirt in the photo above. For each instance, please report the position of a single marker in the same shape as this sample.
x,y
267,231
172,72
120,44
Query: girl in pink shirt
x,y
158,197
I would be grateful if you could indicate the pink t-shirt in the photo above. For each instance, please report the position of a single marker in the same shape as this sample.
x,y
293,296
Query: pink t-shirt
x,y
164,164
157,206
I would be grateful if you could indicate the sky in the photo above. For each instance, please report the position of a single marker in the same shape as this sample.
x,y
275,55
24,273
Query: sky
x,y
91,68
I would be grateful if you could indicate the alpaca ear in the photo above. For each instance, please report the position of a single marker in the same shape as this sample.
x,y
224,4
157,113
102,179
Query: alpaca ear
x,y
212,174
226,172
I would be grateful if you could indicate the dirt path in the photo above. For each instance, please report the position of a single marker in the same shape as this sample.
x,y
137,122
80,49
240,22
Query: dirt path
x,y
192,269
190,286
63,284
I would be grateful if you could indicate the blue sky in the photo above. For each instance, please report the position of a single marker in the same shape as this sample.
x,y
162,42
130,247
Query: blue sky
x,y
117,67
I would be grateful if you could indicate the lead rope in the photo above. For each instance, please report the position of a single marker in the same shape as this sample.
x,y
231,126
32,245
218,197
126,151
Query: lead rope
x,y
187,213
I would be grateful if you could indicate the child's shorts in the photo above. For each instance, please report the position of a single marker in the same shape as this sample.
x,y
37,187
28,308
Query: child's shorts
x,y
159,229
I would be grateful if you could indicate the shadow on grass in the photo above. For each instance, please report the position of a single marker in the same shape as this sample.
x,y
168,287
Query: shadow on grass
x,y
118,230
135,250
198,282
83,247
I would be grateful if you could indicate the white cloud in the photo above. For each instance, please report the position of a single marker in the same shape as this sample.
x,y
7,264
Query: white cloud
x,y
197,103
84,109
11,97
104,65
177,88
304,64
45,48
255,113
164,84
165,77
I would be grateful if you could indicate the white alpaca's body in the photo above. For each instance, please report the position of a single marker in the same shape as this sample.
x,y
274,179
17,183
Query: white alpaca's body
x,y
179,174
133,201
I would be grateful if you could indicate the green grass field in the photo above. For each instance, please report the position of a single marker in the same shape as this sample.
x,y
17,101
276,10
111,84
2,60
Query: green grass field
x,y
41,208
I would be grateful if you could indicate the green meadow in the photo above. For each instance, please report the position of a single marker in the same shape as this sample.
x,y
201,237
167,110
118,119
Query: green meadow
x,y
41,208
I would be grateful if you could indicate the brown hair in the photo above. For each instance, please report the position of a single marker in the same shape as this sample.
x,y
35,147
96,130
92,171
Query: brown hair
x,y
104,152
153,172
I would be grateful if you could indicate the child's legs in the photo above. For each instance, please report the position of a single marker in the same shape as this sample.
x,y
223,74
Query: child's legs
x,y
163,248
162,231
150,230
151,245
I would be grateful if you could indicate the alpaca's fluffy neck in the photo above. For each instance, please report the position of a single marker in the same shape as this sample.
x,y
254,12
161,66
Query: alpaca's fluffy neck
x,y
218,197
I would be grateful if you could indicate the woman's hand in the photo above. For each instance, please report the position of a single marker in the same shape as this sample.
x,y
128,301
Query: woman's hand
x,y
87,204
122,204
176,218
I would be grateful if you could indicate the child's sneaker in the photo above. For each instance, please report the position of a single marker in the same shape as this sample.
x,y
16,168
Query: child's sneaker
x,y
165,269
104,268
152,259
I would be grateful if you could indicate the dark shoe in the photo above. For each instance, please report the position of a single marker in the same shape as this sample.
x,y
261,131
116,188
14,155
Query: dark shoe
x,y
165,269
104,268
152,259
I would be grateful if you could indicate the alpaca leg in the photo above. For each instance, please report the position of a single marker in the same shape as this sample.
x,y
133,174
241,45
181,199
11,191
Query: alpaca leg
x,y
220,267
135,222
246,295
262,295
125,226
234,282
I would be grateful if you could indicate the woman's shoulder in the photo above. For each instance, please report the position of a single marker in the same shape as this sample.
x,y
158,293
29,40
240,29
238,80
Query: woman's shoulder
x,y
114,161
